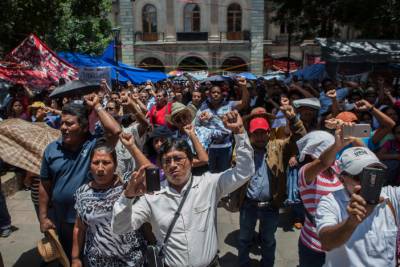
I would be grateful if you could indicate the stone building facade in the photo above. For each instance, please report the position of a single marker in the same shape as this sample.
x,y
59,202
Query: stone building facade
x,y
213,35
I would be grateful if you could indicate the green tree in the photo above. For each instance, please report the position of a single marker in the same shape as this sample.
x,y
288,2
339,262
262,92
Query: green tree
x,y
323,18
71,25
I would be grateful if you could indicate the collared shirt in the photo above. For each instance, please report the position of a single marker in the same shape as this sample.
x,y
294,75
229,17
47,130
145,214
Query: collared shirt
x,y
258,188
373,242
193,240
67,170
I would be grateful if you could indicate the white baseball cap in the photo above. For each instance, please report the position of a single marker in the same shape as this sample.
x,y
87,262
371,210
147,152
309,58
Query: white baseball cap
x,y
355,159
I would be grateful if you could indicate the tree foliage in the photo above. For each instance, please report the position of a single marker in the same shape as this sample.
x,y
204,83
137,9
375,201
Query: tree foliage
x,y
71,25
323,18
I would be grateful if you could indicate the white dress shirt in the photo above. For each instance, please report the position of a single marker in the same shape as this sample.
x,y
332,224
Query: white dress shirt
x,y
373,242
193,240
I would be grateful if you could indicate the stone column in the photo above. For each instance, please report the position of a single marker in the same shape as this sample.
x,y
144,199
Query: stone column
x,y
257,36
170,34
214,29
127,30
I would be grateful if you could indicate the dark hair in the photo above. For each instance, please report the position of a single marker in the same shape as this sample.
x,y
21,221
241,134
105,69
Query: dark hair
x,y
116,104
102,145
163,91
79,111
175,144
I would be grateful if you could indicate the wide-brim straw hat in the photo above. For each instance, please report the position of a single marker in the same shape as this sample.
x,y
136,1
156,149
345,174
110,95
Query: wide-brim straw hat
x,y
179,108
50,249
258,112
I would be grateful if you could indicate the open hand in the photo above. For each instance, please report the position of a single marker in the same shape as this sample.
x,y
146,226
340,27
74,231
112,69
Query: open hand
x,y
233,122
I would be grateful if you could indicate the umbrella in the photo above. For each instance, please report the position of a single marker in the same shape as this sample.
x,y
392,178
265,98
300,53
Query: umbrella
x,y
75,87
247,75
217,78
22,143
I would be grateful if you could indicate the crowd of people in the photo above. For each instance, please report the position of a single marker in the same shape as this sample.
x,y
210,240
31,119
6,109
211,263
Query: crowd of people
x,y
263,145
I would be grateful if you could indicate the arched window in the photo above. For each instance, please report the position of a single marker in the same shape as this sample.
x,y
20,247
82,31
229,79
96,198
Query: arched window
x,y
191,16
234,18
149,17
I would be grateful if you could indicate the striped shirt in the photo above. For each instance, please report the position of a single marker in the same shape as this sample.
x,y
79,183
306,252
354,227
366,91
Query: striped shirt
x,y
311,194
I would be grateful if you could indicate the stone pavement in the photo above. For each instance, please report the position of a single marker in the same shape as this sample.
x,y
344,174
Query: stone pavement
x,y
19,249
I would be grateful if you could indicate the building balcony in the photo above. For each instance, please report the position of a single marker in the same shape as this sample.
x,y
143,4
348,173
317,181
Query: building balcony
x,y
192,36
238,36
149,36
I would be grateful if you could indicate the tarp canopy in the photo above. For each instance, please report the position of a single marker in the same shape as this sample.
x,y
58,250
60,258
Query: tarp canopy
x,y
311,72
125,72
32,63
360,51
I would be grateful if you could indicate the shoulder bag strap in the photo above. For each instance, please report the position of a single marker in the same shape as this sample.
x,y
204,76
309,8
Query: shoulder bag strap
x,y
389,203
177,213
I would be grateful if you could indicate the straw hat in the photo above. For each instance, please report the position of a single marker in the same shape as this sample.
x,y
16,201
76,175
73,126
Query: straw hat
x,y
179,108
36,104
258,112
50,249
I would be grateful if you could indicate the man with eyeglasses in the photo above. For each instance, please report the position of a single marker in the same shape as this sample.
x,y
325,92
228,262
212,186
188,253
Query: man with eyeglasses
x,y
353,232
193,240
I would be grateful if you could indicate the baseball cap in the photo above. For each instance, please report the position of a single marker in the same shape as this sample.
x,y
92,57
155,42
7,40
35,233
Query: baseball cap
x,y
355,159
347,116
258,123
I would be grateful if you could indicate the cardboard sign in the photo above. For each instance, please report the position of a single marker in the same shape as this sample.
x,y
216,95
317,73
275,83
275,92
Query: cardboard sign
x,y
95,75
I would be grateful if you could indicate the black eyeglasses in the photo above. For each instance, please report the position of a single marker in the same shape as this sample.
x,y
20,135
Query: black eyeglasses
x,y
177,159
109,108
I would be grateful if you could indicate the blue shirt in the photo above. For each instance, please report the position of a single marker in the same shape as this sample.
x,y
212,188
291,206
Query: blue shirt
x,y
326,102
67,171
258,188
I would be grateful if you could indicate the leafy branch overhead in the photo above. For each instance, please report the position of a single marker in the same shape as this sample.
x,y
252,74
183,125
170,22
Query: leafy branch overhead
x,y
71,25
378,19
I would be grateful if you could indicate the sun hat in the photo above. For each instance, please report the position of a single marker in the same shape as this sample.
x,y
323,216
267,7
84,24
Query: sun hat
x,y
307,102
354,159
50,248
314,144
258,112
177,108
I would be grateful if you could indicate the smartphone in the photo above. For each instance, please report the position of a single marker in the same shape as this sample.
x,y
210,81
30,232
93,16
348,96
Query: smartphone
x,y
372,180
357,130
152,179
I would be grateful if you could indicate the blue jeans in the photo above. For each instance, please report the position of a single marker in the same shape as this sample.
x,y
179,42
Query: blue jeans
x,y
249,214
219,159
309,257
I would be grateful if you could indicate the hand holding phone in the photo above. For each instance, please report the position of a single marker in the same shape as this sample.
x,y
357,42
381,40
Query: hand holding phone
x,y
356,130
372,180
152,179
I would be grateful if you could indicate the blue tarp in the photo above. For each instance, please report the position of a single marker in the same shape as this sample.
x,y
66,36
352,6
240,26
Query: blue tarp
x,y
125,72
312,72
